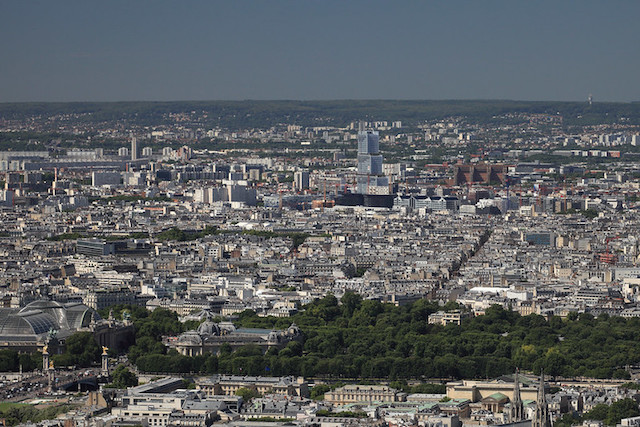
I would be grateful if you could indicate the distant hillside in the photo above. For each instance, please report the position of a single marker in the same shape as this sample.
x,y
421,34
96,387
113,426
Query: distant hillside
x,y
263,114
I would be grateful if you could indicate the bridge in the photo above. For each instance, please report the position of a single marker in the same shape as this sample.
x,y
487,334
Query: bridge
x,y
77,383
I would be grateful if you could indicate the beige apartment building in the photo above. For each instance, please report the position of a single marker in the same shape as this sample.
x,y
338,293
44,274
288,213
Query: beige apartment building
x,y
364,393
218,385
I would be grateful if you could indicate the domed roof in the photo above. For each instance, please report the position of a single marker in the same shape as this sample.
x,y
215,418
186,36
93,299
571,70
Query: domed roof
x,y
190,338
40,317
208,328
80,317
41,305
227,327
204,314
293,330
34,323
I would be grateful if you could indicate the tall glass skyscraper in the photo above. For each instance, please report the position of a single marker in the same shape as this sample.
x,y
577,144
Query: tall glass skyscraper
x,y
370,179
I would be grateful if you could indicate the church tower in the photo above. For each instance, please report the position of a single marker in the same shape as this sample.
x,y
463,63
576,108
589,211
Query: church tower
x,y
542,417
517,408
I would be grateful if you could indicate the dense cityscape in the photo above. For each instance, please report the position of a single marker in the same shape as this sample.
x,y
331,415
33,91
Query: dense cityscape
x,y
171,267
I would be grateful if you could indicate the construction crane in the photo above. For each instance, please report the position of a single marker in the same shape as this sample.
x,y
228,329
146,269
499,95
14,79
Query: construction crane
x,y
607,257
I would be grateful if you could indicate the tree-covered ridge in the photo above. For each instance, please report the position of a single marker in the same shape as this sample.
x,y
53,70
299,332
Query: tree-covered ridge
x,y
388,341
264,114
352,338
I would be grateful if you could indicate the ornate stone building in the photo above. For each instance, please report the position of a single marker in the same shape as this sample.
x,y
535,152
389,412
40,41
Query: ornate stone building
x,y
210,337
217,385
29,328
40,323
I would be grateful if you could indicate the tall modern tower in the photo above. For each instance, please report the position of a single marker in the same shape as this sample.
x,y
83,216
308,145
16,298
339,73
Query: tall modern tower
x,y
134,148
370,179
301,180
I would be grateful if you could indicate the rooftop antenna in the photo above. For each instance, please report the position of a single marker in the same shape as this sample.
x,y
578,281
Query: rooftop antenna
x,y
590,98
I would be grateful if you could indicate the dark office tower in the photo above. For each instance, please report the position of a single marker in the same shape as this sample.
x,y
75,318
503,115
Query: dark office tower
x,y
301,180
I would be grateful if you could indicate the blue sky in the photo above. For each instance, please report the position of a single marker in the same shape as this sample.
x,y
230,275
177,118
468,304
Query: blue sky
x,y
233,50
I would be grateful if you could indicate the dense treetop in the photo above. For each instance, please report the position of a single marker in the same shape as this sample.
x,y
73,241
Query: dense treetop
x,y
352,338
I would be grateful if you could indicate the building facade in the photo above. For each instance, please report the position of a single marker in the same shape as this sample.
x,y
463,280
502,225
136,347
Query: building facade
x,y
353,393
210,337
227,385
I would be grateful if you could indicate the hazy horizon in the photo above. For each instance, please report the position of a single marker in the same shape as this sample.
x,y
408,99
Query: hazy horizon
x,y
144,51
133,101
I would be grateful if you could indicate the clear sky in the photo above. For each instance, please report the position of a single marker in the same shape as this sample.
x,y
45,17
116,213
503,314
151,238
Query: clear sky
x,y
349,49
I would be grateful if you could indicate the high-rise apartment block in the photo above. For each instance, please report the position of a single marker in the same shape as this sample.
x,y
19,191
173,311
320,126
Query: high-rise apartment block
x,y
134,148
301,180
